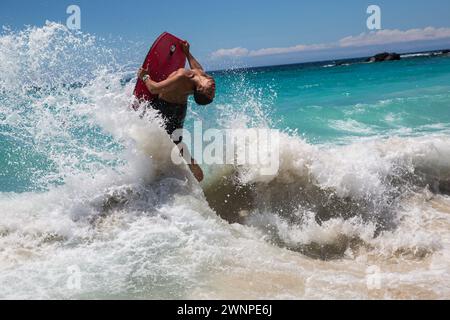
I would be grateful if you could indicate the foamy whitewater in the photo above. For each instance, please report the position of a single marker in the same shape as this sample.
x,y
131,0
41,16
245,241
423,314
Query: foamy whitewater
x,y
92,207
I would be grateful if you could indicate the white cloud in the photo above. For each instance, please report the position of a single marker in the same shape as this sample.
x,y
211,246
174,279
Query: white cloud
x,y
365,39
298,48
235,52
394,36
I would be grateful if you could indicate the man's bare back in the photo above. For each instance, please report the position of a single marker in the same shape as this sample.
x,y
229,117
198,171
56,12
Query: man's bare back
x,y
180,89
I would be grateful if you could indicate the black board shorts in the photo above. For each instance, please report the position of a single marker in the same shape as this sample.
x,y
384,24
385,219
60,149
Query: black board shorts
x,y
172,113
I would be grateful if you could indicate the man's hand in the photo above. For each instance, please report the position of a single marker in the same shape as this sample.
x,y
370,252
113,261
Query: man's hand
x,y
141,73
186,47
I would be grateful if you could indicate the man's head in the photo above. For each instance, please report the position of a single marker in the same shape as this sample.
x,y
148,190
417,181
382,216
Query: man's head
x,y
205,90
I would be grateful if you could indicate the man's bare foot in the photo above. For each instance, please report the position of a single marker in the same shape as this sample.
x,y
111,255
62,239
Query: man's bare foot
x,y
196,171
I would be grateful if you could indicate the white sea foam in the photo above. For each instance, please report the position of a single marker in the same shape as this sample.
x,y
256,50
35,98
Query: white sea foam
x,y
415,55
351,125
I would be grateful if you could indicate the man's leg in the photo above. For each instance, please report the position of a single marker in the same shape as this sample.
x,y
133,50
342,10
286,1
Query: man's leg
x,y
196,170
193,166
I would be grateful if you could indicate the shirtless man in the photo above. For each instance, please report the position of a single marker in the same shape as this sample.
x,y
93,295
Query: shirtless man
x,y
172,96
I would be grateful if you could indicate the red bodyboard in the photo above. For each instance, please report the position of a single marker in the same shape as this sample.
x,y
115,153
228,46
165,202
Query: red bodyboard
x,y
165,56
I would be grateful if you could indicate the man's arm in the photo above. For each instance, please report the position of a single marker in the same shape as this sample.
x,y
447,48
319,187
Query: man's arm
x,y
193,63
156,87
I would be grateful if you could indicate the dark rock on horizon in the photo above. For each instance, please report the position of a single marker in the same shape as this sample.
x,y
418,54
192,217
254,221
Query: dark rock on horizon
x,y
385,56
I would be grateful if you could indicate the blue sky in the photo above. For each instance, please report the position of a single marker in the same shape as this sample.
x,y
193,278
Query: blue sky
x,y
251,25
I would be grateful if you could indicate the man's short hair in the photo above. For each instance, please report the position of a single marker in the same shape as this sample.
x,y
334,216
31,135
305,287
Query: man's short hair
x,y
202,99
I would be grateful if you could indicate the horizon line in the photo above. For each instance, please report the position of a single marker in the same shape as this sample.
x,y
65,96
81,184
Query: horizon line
x,y
322,61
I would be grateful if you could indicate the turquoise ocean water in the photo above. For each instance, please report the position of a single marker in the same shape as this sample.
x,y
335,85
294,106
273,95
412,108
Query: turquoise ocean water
x,y
329,103
87,191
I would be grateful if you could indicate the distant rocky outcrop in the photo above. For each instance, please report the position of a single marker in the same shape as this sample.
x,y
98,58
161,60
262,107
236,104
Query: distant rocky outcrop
x,y
385,56
445,52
